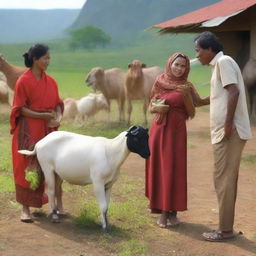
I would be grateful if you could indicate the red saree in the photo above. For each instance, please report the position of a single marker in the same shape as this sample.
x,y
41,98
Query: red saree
x,y
38,95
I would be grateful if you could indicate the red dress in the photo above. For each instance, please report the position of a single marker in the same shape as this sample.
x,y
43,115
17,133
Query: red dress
x,y
38,95
166,168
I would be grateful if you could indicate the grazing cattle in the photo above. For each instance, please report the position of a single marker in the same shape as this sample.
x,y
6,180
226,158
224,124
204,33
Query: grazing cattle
x,y
111,83
2,77
12,73
138,84
83,160
4,92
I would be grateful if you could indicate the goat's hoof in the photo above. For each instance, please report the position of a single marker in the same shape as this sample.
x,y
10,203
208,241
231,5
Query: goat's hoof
x,y
106,231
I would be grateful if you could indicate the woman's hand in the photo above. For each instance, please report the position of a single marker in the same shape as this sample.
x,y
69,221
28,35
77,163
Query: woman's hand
x,y
49,115
55,120
53,123
184,90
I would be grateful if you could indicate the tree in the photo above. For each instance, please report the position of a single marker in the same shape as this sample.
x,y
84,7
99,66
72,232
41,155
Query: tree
x,y
89,37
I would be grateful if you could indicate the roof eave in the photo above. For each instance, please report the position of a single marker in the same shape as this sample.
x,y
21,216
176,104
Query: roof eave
x,y
191,28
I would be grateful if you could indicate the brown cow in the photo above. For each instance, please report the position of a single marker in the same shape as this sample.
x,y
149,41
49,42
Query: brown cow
x,y
11,72
111,83
138,85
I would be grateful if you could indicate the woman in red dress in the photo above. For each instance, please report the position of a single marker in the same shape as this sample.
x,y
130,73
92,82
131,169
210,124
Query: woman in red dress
x,y
173,101
36,112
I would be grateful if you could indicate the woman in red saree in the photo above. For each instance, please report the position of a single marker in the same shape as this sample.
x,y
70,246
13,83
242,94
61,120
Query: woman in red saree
x,y
173,101
36,106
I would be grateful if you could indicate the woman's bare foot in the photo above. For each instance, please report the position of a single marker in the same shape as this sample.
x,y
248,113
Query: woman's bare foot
x,y
172,219
25,215
162,222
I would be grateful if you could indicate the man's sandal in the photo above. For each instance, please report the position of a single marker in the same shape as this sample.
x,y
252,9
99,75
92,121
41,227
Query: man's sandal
x,y
218,236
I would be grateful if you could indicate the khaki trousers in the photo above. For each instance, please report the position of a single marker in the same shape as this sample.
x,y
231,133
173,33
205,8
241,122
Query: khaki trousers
x,y
227,156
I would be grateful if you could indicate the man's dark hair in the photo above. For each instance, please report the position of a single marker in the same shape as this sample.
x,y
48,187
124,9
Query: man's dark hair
x,y
208,40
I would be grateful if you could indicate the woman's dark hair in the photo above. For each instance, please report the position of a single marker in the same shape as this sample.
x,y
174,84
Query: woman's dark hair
x,y
208,40
36,51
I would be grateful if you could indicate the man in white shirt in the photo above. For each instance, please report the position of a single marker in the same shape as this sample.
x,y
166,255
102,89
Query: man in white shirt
x,y
230,128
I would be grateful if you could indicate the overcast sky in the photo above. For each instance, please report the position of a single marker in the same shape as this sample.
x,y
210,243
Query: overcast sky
x,y
41,4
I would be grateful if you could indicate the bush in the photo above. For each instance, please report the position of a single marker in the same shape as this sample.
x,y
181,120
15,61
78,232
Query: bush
x,y
88,37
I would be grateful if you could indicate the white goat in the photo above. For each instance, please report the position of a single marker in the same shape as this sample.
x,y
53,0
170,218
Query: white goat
x,y
89,105
83,160
70,109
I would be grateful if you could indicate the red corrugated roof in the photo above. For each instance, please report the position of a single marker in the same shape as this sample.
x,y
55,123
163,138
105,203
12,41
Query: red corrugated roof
x,y
219,9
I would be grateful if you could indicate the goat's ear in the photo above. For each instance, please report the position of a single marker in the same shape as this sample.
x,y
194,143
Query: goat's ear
x,y
143,65
129,65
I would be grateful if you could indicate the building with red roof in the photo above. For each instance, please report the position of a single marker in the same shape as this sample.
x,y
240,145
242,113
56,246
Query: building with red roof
x,y
226,15
234,22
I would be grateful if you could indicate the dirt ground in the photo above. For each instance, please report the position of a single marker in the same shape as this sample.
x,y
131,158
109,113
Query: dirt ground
x,y
44,238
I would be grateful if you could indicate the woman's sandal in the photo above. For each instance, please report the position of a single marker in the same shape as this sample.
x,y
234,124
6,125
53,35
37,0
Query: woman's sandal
x,y
218,236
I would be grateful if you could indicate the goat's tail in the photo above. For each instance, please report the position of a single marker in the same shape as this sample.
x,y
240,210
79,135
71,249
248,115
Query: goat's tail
x,y
28,152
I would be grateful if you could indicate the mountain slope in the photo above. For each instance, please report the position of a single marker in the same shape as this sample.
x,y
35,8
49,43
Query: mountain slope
x,y
119,18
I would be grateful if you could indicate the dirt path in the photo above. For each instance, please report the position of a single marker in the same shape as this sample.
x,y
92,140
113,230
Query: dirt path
x,y
65,239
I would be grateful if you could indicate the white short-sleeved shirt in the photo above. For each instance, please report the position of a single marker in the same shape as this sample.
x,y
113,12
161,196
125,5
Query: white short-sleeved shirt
x,y
225,71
